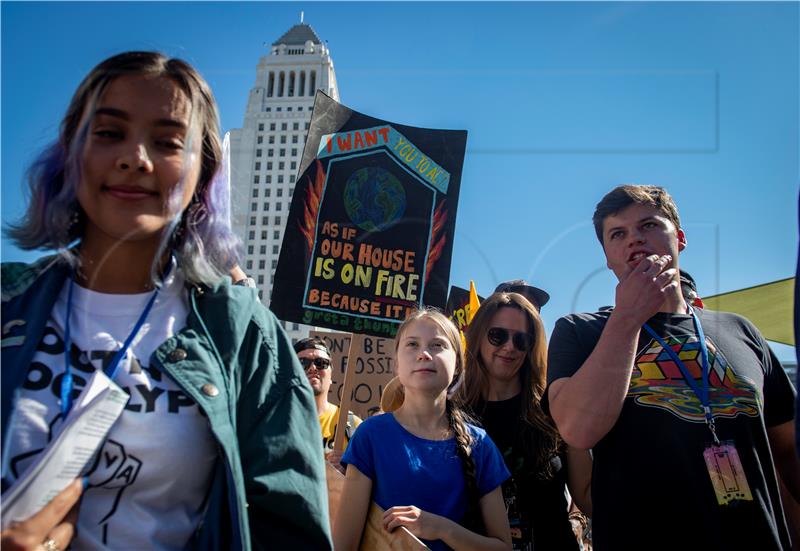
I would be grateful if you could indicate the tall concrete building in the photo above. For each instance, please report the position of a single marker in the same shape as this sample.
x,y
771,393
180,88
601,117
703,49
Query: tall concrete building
x,y
266,151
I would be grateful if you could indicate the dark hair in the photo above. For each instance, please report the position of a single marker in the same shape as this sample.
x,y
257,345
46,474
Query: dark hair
x,y
623,196
543,441
200,236
311,343
457,418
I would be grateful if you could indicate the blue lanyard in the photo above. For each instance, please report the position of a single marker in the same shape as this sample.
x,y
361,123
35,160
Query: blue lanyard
x,y
113,366
701,392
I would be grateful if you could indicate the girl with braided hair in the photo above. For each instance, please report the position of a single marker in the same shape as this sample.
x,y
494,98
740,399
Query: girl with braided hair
x,y
431,470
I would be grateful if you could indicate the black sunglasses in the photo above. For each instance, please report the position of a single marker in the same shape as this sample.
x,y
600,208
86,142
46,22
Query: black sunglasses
x,y
498,336
319,363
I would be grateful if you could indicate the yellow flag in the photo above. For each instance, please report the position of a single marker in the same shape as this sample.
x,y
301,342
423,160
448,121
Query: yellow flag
x,y
472,307
769,306
474,303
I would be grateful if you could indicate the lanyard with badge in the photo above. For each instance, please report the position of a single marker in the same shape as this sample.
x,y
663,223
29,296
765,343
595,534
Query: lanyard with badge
x,y
721,458
113,366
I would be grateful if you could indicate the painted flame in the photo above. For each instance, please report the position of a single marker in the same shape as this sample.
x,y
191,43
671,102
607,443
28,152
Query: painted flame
x,y
438,238
313,198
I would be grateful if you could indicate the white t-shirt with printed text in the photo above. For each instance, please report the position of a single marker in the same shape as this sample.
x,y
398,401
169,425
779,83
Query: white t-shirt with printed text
x,y
149,481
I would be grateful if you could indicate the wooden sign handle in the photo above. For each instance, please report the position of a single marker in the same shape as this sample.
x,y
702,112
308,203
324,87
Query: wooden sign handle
x,y
356,346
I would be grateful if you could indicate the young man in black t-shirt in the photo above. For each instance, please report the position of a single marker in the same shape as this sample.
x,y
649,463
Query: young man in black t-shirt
x,y
629,384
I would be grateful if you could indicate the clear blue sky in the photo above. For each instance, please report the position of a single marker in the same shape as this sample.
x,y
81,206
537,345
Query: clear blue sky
x,y
562,101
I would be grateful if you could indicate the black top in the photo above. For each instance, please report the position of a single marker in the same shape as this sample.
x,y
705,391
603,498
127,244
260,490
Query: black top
x,y
650,484
537,507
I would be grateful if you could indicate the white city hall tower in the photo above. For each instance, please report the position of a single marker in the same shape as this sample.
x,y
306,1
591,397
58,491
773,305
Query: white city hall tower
x,y
266,151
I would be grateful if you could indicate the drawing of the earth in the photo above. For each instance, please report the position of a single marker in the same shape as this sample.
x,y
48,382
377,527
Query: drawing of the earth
x,y
374,198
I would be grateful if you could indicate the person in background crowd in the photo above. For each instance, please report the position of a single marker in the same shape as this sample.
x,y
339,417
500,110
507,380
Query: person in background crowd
x,y
537,297
689,289
504,384
217,446
431,471
316,360
685,409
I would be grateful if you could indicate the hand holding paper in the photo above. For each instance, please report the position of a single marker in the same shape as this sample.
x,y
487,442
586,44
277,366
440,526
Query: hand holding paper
x,y
93,414
55,521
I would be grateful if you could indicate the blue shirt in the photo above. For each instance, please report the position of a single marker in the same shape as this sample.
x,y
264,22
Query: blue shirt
x,y
409,470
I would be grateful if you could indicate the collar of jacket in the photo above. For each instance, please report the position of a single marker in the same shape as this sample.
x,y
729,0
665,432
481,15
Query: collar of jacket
x,y
25,313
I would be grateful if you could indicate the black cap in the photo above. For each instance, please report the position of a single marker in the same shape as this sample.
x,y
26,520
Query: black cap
x,y
537,296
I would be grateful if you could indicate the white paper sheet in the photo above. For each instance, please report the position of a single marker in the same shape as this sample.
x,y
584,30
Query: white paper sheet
x,y
93,414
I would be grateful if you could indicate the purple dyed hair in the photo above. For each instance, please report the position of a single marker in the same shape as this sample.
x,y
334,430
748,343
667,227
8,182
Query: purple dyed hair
x,y
200,236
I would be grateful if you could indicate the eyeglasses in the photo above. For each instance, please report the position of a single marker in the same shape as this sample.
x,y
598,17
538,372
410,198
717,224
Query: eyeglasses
x,y
319,363
498,336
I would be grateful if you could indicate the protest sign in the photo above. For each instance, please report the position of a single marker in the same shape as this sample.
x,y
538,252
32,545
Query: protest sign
x,y
458,309
374,536
371,371
371,225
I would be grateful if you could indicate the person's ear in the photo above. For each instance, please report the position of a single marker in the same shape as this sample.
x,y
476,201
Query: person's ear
x,y
681,240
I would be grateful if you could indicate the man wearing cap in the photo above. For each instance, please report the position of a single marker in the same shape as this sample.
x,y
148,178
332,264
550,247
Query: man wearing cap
x,y
316,360
687,411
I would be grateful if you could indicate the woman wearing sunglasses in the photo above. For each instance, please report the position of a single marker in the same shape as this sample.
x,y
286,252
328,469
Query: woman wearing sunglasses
x,y
504,384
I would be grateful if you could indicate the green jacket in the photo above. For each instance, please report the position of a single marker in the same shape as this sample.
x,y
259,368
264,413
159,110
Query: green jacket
x,y
234,360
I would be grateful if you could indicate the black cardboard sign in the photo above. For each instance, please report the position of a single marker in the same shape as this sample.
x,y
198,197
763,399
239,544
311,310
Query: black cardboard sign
x,y
458,309
371,225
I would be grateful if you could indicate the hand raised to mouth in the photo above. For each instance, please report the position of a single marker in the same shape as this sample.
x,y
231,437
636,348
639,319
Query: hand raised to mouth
x,y
645,286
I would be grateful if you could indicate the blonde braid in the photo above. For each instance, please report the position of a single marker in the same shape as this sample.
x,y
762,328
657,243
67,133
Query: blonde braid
x,y
457,420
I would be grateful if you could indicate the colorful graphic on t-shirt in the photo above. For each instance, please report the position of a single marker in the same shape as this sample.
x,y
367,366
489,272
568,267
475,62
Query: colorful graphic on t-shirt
x,y
657,381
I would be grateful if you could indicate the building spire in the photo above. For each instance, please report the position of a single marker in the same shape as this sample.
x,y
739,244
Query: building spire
x,y
301,17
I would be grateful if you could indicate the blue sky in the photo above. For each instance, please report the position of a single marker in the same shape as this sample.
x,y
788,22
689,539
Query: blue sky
x,y
562,102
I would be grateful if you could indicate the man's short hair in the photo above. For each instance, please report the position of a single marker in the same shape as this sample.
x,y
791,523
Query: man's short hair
x,y
311,343
624,196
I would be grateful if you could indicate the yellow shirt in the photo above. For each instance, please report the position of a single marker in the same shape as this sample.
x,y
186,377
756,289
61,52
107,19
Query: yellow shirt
x,y
327,422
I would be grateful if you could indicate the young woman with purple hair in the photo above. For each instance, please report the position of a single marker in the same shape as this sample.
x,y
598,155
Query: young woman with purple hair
x,y
218,444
